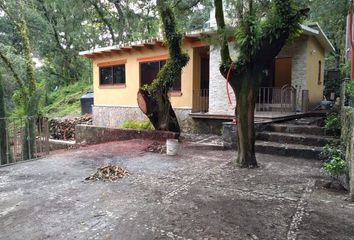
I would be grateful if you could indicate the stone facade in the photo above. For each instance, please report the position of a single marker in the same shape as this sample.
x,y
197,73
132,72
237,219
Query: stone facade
x,y
218,100
115,116
298,52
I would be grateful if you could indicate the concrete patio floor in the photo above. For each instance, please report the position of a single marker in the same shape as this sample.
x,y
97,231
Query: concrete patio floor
x,y
196,195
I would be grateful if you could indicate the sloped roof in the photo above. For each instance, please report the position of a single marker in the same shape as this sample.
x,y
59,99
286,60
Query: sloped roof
x,y
312,29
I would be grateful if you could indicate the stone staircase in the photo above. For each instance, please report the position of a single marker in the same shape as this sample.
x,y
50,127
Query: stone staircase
x,y
300,138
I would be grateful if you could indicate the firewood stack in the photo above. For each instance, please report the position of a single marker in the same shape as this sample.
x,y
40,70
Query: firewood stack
x,y
64,129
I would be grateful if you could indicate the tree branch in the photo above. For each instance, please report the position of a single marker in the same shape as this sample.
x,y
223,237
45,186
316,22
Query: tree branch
x,y
10,66
220,21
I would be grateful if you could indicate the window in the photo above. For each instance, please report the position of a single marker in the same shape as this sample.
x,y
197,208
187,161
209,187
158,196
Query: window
x,y
112,75
319,72
149,71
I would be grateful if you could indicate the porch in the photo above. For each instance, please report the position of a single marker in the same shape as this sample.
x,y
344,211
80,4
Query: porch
x,y
272,104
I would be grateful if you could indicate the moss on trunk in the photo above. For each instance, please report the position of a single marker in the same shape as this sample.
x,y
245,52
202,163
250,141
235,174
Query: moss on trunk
x,y
155,97
259,42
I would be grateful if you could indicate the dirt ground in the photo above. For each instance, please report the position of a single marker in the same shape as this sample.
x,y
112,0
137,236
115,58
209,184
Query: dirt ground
x,y
196,195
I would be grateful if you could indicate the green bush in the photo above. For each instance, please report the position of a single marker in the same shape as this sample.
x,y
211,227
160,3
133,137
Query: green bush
x,y
349,89
334,164
329,151
335,167
134,124
332,122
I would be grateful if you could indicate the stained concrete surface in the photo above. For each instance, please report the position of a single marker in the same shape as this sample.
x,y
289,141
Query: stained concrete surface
x,y
196,195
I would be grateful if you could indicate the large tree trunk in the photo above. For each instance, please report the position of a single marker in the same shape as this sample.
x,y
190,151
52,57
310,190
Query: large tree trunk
x,y
153,100
256,51
158,108
245,100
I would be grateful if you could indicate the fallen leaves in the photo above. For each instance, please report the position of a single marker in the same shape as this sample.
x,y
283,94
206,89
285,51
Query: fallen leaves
x,y
156,147
108,173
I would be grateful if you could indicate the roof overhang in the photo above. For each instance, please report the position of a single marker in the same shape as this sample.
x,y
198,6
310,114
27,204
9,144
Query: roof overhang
x,y
138,45
313,29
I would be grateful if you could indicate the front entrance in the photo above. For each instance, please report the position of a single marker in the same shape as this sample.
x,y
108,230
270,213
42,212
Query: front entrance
x,y
202,79
282,72
276,93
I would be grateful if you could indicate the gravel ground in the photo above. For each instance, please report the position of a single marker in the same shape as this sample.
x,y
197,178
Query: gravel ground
x,y
195,195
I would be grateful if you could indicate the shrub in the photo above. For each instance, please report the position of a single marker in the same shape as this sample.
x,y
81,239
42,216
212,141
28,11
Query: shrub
x,y
334,164
335,167
349,89
332,122
329,151
135,124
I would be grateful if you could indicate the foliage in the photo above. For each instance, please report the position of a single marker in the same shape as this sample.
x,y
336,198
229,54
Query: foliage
x,y
157,105
264,27
135,124
334,164
330,151
349,89
332,121
64,100
167,76
335,167
333,24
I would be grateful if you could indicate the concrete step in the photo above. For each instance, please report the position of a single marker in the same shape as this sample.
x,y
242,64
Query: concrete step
x,y
290,138
284,149
300,129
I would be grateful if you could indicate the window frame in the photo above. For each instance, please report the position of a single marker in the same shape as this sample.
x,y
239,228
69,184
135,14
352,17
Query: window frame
x,y
319,74
111,65
172,92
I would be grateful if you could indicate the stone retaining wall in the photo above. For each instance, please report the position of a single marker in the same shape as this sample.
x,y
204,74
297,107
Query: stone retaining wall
x,y
115,116
347,138
89,134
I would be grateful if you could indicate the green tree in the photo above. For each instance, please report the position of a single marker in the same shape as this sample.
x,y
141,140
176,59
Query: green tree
x,y
259,39
27,85
154,99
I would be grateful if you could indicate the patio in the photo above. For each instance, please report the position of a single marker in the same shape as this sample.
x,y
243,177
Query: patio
x,y
196,195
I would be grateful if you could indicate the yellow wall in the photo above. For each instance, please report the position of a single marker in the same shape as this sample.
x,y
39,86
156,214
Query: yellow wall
x,y
315,53
126,96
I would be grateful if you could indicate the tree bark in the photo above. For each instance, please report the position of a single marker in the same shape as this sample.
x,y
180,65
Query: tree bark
x,y
31,105
153,100
253,60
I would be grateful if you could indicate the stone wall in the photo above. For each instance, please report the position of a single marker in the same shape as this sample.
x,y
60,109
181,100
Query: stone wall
x,y
86,134
115,116
347,138
298,52
218,100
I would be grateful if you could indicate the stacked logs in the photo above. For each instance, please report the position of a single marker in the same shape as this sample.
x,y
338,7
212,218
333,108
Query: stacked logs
x,y
64,129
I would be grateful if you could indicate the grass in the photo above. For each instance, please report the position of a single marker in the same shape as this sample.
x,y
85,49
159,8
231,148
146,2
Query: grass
x,y
134,124
66,100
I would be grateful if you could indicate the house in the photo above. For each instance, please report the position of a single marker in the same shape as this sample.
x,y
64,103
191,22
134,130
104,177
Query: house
x,y
294,84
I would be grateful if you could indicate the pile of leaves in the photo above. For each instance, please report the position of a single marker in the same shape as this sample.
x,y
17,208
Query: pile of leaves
x,y
108,173
156,147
